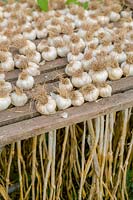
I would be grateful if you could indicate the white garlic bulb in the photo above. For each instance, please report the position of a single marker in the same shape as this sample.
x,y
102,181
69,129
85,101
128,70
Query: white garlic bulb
x,y
5,100
87,61
2,74
81,78
77,42
32,69
41,33
105,90
7,63
77,98
62,99
47,106
33,56
6,86
114,72
25,81
42,45
65,84
75,55
49,53
27,45
29,33
90,92
18,97
127,66
72,67
114,17
98,72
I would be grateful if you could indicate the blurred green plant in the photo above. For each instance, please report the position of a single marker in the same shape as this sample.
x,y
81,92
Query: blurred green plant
x,y
43,4
130,184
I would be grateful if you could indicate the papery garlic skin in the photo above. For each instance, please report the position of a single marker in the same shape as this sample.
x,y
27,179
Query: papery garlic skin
x,y
92,95
62,103
72,67
50,55
35,58
105,91
67,86
25,84
63,51
47,109
98,76
41,33
33,69
8,65
127,69
114,17
83,79
72,57
30,35
30,45
5,102
115,73
86,64
120,57
19,99
79,100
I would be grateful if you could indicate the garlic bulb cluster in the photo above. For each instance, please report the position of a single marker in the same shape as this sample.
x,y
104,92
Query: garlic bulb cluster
x,y
44,103
98,45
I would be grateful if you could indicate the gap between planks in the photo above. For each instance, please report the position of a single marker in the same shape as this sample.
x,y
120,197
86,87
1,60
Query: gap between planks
x,y
39,125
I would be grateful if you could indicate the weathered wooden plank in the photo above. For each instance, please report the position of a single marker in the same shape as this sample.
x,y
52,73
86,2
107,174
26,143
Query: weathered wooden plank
x,y
14,114
38,125
47,67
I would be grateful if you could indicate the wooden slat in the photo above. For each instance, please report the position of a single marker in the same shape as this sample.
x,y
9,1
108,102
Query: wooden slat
x,y
18,114
38,125
47,67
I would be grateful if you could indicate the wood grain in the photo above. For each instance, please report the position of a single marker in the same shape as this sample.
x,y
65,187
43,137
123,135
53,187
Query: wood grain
x,y
41,124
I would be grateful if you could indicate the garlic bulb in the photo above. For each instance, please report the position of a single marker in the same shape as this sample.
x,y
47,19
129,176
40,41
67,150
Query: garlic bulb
x,y
6,61
62,49
5,100
6,86
87,61
98,72
105,90
25,81
127,66
62,99
2,74
75,55
27,45
49,53
18,60
77,42
44,103
114,17
72,67
47,106
32,69
41,32
65,84
90,92
106,46
114,71
81,78
77,98
33,56
29,33
42,45
118,54
18,97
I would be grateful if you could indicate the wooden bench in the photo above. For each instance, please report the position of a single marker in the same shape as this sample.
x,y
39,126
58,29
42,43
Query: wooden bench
x,y
19,123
